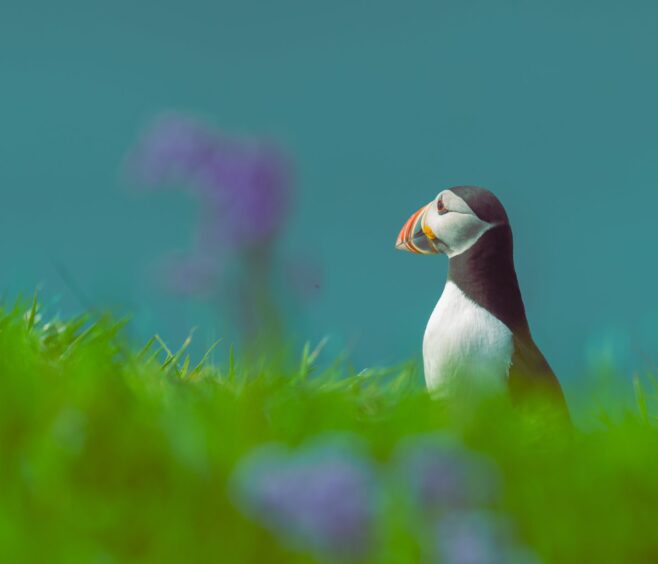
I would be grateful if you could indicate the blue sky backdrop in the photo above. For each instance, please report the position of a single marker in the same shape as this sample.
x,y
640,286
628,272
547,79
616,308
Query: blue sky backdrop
x,y
552,105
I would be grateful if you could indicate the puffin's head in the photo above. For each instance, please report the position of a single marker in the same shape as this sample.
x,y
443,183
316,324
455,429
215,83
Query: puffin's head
x,y
452,222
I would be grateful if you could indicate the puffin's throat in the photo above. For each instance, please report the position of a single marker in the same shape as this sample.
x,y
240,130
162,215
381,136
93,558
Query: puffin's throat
x,y
485,273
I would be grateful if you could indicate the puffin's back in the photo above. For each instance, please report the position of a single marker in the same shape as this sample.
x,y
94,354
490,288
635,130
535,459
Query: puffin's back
x,y
530,376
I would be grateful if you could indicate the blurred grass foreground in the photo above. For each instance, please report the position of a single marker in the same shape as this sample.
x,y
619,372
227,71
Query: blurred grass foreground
x,y
112,454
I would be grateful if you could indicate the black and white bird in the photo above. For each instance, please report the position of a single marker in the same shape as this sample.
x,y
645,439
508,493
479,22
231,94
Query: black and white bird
x,y
477,336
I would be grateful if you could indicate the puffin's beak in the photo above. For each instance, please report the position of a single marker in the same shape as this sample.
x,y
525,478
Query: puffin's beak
x,y
415,236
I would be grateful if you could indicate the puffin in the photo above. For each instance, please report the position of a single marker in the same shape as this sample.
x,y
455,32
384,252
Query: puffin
x,y
477,337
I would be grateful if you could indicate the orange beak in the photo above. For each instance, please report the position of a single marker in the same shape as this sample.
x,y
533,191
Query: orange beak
x,y
415,236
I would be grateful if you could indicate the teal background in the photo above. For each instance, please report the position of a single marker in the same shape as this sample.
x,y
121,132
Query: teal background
x,y
553,105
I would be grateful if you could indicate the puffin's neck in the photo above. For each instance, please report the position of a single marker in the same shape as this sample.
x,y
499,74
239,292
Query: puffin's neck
x,y
485,273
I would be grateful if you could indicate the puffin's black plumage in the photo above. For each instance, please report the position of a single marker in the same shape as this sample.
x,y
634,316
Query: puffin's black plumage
x,y
486,274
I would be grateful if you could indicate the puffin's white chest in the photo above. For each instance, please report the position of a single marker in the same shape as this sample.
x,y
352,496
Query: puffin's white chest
x,y
465,345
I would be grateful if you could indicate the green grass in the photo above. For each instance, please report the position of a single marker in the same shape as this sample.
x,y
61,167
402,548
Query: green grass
x,y
112,453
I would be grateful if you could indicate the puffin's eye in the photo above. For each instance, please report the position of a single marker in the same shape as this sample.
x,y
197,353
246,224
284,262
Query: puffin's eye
x,y
440,206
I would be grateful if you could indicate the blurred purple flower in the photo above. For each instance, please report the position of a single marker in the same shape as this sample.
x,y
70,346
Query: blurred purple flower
x,y
244,187
478,537
322,498
442,474
174,148
190,275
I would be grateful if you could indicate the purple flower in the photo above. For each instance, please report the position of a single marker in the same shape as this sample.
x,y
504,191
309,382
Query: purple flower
x,y
174,148
442,474
244,187
321,498
478,537
190,275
